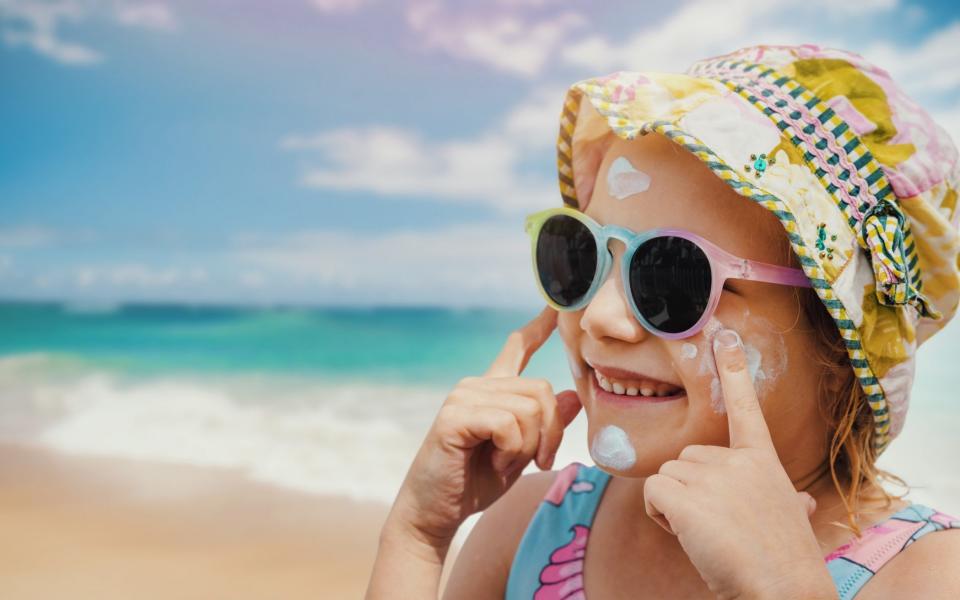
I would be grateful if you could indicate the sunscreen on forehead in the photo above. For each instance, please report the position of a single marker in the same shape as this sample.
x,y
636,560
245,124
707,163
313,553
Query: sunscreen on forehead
x,y
623,180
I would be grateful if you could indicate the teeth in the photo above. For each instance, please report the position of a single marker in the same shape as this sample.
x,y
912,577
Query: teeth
x,y
618,388
605,384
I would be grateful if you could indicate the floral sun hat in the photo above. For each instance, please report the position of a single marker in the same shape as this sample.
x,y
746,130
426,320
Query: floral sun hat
x,y
861,178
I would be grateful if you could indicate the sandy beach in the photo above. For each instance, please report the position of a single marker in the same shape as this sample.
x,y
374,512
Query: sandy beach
x,y
89,527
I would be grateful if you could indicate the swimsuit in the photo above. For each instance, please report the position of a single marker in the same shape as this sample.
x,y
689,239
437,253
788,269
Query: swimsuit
x,y
548,564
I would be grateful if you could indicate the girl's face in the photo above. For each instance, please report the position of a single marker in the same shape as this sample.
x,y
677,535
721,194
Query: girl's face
x,y
651,182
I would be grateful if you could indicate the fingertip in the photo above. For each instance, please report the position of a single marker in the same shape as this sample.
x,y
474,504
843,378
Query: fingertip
x,y
809,502
568,405
726,339
551,460
728,350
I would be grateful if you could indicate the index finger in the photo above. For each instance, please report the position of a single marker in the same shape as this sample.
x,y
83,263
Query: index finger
x,y
748,428
522,343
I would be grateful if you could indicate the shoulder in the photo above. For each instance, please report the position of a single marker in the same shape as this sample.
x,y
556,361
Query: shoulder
x,y
487,553
927,568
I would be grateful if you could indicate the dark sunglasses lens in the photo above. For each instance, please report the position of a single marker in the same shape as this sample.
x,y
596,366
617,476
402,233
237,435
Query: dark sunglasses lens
x,y
566,258
670,279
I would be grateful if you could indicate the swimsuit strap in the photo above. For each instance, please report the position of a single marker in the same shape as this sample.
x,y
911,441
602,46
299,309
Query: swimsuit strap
x,y
548,562
853,564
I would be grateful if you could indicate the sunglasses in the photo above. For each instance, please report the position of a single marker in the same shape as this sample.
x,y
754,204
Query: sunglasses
x,y
672,278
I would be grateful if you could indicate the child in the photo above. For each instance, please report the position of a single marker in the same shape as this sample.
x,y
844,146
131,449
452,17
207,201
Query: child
x,y
749,255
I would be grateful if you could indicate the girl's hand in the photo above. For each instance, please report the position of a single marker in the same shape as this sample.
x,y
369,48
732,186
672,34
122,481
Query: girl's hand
x,y
734,510
487,430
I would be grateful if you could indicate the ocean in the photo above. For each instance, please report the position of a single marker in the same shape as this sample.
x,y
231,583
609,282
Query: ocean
x,y
323,400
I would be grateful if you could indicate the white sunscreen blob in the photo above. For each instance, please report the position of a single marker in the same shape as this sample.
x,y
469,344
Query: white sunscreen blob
x,y
764,369
688,351
624,180
753,363
611,448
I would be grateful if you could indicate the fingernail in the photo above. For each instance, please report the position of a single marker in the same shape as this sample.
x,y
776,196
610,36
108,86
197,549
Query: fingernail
x,y
726,338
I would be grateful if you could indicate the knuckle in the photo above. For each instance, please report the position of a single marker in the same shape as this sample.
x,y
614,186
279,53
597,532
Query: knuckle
x,y
446,414
468,381
544,385
739,460
651,482
456,396
532,408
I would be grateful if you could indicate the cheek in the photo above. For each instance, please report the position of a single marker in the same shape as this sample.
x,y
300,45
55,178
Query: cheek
x,y
699,370
566,322
766,358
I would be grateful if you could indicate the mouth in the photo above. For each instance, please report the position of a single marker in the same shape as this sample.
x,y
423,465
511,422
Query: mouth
x,y
614,385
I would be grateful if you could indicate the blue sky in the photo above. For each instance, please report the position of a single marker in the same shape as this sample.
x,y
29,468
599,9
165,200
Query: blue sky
x,y
342,151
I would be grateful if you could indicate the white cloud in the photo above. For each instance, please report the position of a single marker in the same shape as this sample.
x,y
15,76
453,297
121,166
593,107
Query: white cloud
x,y
485,169
506,41
252,279
27,236
331,6
134,275
928,68
148,15
481,264
35,24
692,33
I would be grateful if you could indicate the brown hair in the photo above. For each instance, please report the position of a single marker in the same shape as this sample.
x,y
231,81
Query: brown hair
x,y
849,418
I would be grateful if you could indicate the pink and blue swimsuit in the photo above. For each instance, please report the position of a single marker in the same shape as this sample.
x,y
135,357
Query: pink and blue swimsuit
x,y
548,564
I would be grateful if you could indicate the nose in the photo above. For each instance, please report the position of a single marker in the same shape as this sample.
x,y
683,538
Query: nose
x,y
608,314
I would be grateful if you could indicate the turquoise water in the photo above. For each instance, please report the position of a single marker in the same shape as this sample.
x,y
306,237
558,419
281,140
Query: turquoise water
x,y
330,400
399,345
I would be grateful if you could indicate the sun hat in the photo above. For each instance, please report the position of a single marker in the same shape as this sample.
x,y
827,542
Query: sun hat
x,y
862,179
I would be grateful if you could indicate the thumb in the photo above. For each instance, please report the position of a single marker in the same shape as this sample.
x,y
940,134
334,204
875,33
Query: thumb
x,y
808,502
568,406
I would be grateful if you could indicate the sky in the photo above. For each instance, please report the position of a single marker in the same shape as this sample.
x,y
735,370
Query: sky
x,y
344,152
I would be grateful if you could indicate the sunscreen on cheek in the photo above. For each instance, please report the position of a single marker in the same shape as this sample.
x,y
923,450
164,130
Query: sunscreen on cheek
x,y
709,366
766,360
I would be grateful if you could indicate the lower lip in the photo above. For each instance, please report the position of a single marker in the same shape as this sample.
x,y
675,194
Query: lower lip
x,y
605,396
